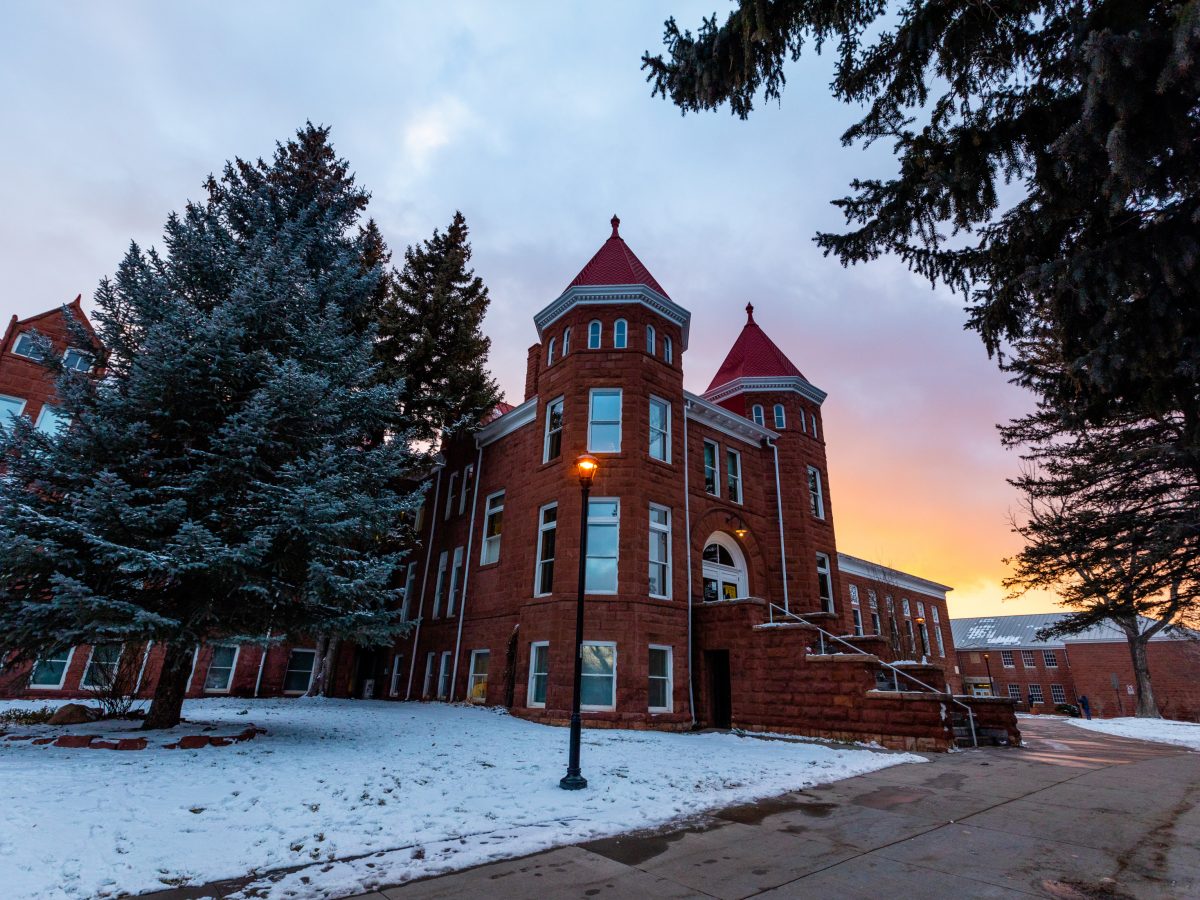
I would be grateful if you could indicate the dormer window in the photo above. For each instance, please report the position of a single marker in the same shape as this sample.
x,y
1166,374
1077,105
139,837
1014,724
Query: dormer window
x,y
24,346
780,417
566,341
756,414
651,346
667,354
594,334
620,334
550,353
77,361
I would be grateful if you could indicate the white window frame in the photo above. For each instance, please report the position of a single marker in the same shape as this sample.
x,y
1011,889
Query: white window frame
x,y
61,681
614,522
533,673
937,631
550,353
394,687
856,613
665,432
1036,695
79,354
651,341
757,416
456,573
668,350
1006,659
549,432
237,652
816,493
620,334
427,687
665,530
733,479
443,562
49,409
566,341
827,602
473,675
84,681
593,707
410,582
904,607
487,543
5,414
450,496
780,415
468,482
1028,659
311,672
595,334
540,561
670,679
620,395
444,673
1014,692
1050,660
1058,693
714,469
17,343
812,418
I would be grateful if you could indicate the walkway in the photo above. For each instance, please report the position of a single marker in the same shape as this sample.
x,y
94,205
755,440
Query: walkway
x,y
1073,815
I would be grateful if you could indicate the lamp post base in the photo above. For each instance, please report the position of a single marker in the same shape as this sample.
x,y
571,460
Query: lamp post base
x,y
572,782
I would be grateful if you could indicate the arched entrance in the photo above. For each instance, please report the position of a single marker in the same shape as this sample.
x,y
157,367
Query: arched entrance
x,y
724,569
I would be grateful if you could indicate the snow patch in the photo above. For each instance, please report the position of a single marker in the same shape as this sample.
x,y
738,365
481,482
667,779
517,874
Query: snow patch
x,y
1163,731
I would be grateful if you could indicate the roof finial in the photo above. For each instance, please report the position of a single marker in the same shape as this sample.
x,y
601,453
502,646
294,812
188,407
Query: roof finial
x,y
616,223
749,313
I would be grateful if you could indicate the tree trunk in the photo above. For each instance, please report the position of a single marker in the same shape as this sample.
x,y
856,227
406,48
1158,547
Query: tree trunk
x,y
1146,707
327,648
167,704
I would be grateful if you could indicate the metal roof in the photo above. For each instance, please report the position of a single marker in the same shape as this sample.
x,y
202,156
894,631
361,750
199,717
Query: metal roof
x,y
1008,632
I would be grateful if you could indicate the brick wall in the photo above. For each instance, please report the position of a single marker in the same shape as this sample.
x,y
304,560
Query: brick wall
x,y
1174,675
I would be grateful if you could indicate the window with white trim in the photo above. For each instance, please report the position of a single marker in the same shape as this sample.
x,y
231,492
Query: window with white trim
x,y
661,690
221,666
651,347
812,418
51,420
920,609
493,525
660,552
1058,694
102,666
660,429
539,673
733,475
547,533
912,636
440,584
723,569
668,351
620,334
854,594
816,494
456,576
604,420
450,495
10,408
477,683
603,527
77,361
595,329
873,605
550,352
410,587
1028,660
599,684
711,483
1050,659
552,445
427,687
1036,695
756,415
1014,692
394,687
858,626
444,672
298,677
937,631
825,582
468,484
1006,659
780,417
904,607
25,346
566,341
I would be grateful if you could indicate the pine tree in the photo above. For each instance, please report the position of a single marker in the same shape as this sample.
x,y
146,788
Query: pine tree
x,y
431,335
242,466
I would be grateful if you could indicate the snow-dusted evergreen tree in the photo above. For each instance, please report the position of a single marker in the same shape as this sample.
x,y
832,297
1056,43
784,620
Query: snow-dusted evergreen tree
x,y
230,473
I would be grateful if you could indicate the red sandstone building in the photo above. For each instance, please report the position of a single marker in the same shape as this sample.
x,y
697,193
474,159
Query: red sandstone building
x,y
1002,656
716,595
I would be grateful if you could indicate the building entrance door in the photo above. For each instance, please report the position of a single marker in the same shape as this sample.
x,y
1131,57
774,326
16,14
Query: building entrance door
x,y
720,706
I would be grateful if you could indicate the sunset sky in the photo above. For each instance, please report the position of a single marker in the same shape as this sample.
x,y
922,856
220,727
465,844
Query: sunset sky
x,y
539,127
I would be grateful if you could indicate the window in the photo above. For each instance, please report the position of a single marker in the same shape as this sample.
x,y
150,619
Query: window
x,y
937,632
1014,692
24,346
1036,695
604,420
660,552
566,341
620,334
711,485
410,586
1050,659
550,353
101,670
51,420
444,677
450,495
427,689
594,335
10,407
477,687
780,416
439,585
599,687
824,582
603,524
456,573
552,446
756,414
493,523
875,624
547,531
924,627
539,673
1028,660
733,475
816,496
651,347
298,677
394,687
220,668
812,418
660,429
1058,694
467,485
723,569
854,594
668,353
912,637
661,690
1006,659
77,361
858,628
904,607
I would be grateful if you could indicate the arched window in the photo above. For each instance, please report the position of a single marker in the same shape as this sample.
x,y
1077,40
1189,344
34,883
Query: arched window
x,y
756,413
666,350
780,418
650,345
594,334
550,353
724,569
620,334
566,341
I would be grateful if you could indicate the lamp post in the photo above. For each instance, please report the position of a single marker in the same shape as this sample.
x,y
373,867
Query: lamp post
x,y
585,468
991,684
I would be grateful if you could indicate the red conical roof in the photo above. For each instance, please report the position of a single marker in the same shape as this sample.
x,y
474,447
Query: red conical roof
x,y
614,263
754,355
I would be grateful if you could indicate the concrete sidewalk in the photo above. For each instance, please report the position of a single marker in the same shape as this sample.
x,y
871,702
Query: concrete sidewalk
x,y
1075,814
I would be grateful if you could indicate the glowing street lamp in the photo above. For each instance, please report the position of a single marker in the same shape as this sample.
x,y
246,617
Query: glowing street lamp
x,y
585,468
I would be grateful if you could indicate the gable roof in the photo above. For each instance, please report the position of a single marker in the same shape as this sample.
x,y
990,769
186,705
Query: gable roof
x,y
1016,632
754,355
614,263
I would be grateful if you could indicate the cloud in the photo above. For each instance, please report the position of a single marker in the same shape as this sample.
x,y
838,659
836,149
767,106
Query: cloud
x,y
432,129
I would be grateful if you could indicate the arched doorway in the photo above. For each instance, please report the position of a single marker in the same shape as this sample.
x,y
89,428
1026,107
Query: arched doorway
x,y
724,569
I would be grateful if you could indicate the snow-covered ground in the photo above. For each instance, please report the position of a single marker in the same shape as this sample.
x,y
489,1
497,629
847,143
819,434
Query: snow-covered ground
x,y
1165,731
409,789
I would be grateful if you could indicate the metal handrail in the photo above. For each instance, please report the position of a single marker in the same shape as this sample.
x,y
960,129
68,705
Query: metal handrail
x,y
894,669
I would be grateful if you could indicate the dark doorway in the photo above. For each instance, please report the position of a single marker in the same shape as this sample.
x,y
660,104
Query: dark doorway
x,y
368,674
720,714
